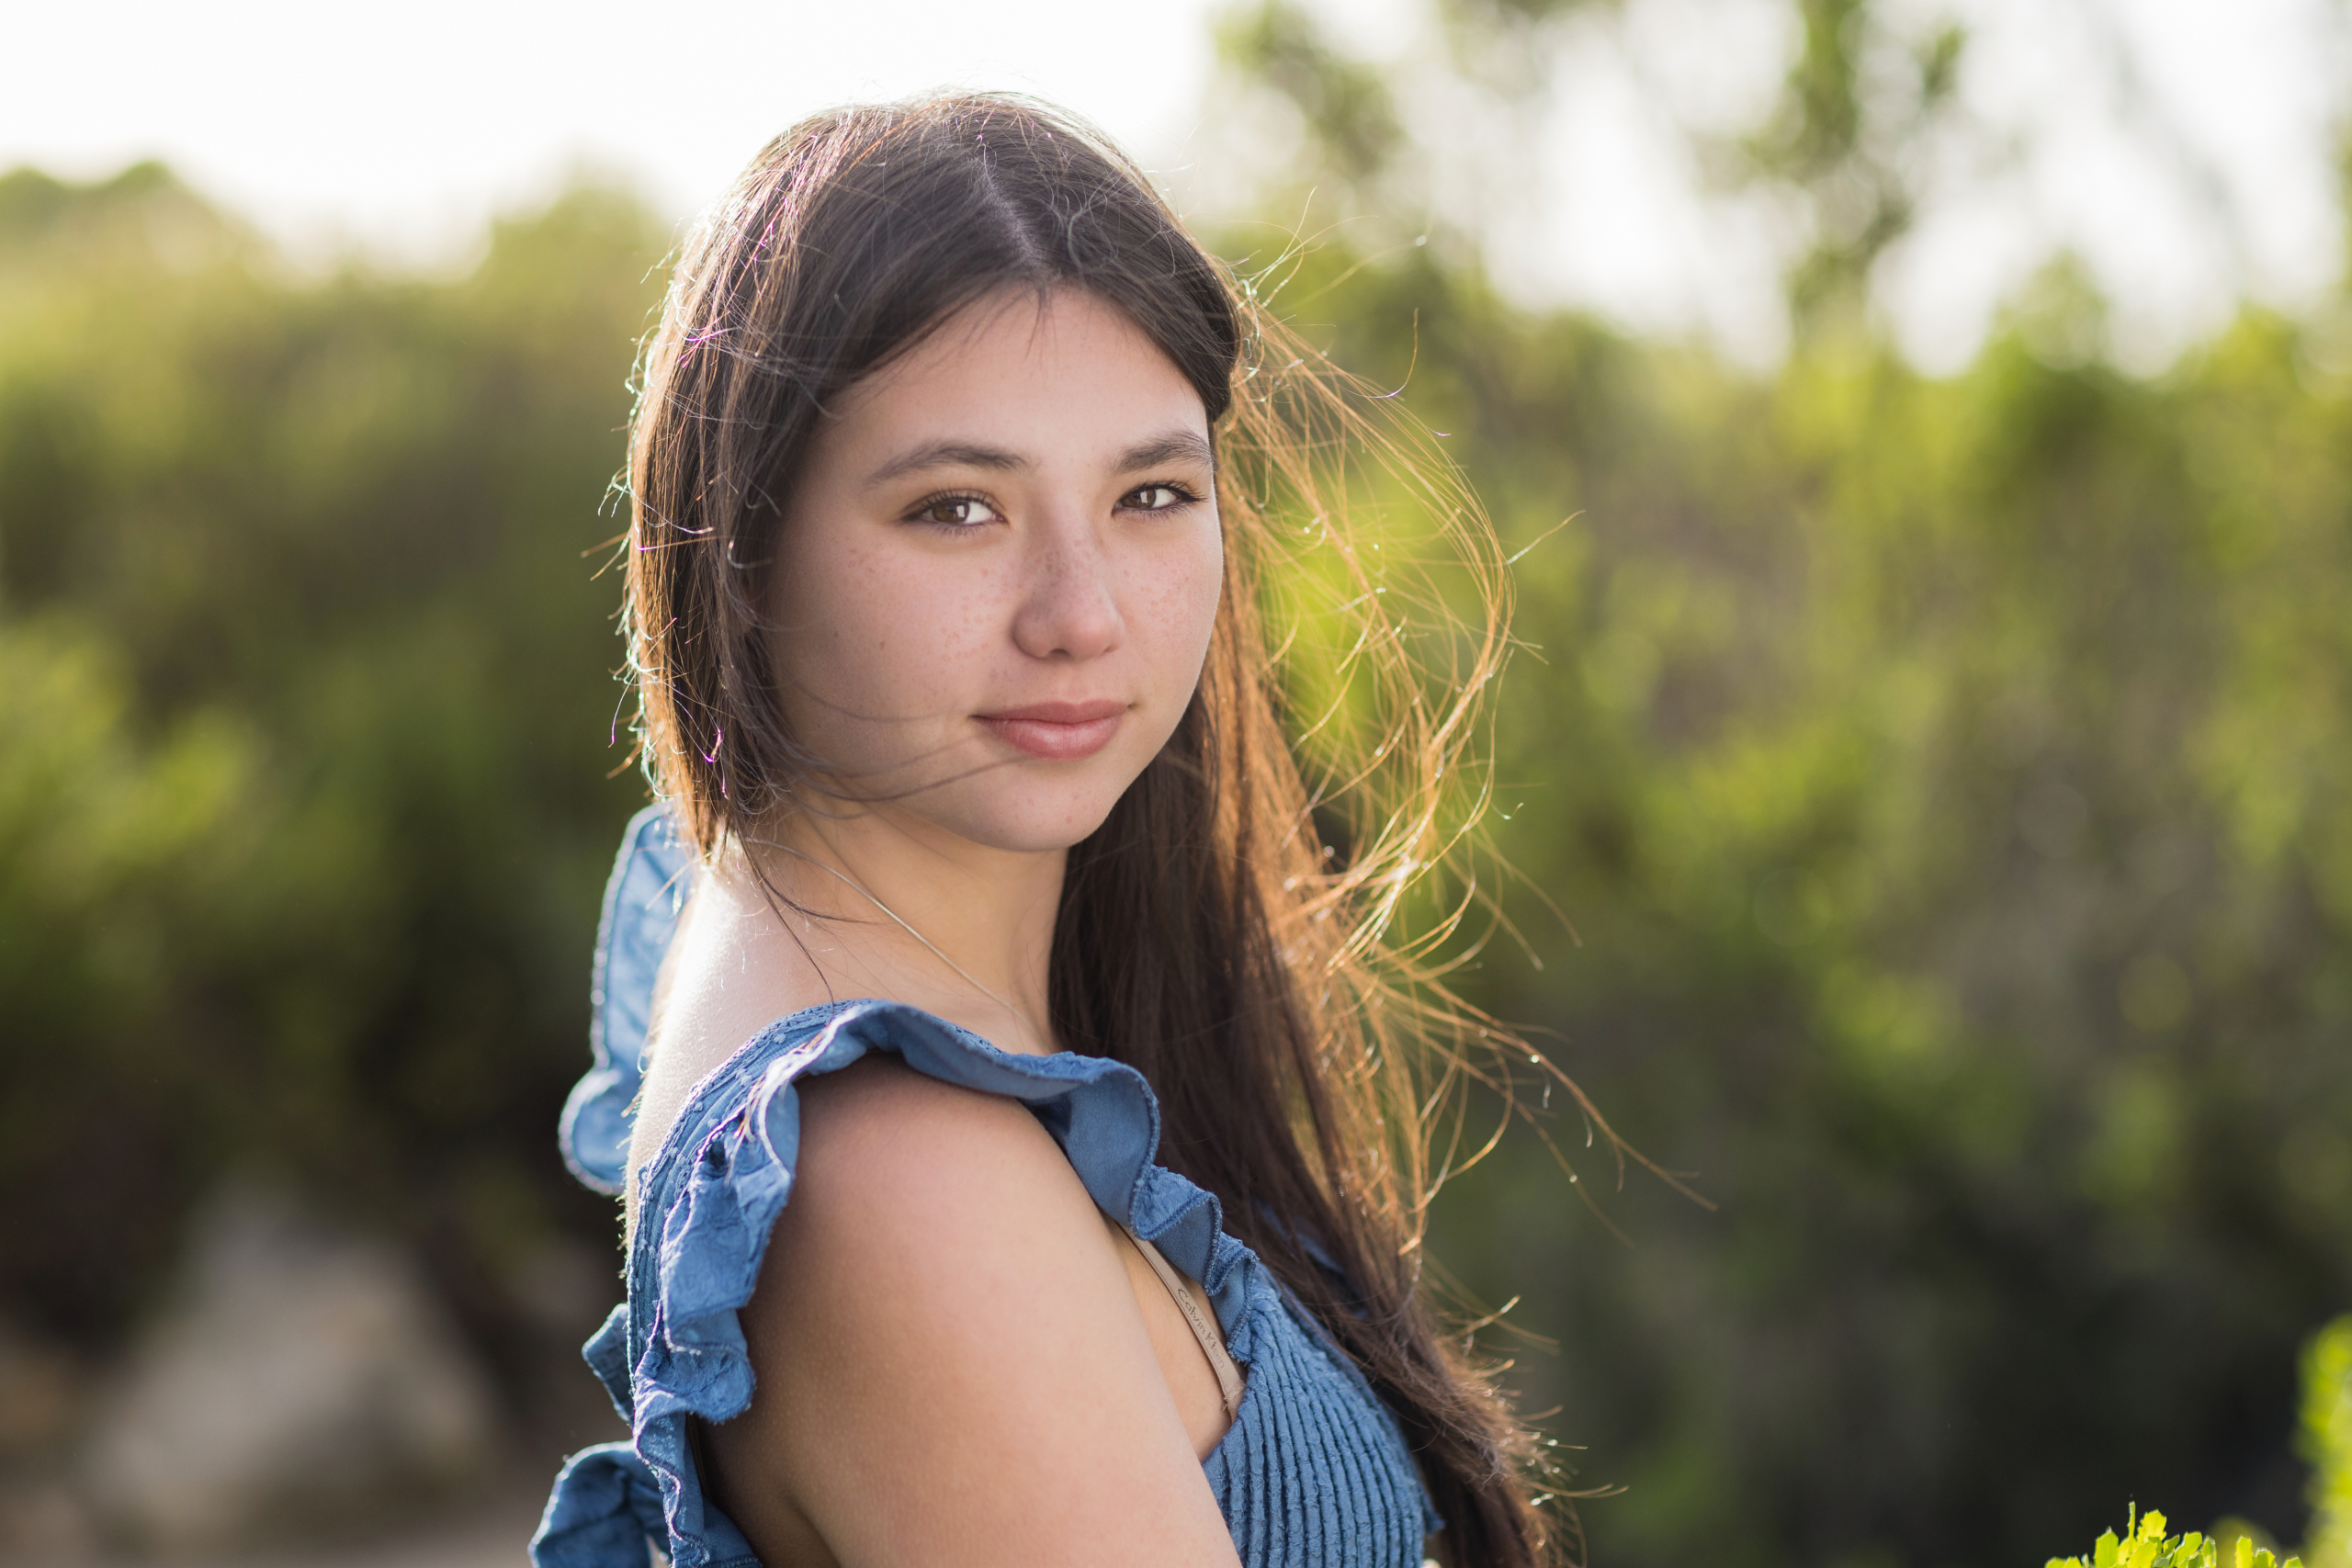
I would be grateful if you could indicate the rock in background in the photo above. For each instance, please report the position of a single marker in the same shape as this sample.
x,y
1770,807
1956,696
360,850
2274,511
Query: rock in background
x,y
302,1383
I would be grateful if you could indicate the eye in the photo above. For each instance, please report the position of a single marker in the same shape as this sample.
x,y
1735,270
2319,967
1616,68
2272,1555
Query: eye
x,y
1157,498
955,512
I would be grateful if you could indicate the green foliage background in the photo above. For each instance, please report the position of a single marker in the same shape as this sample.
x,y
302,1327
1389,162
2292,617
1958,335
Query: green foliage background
x,y
1946,781
303,793
1949,781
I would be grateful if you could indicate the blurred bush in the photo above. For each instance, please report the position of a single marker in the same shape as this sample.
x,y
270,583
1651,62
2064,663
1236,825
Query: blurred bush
x,y
2327,1443
1950,788
1950,781
1951,785
303,678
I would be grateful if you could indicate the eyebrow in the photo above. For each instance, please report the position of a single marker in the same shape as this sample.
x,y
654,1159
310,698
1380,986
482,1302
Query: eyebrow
x,y
945,455
1176,447
1180,445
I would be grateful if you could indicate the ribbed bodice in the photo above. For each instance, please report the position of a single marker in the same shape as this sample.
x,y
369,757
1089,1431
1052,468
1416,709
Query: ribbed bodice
x,y
1312,1471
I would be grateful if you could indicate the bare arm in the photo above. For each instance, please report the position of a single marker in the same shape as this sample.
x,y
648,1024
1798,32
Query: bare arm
x,y
953,1365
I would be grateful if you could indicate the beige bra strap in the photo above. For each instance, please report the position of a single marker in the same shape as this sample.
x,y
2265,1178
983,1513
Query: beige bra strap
x,y
1229,1376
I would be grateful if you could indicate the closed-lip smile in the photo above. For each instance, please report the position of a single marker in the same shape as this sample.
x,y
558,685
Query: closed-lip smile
x,y
1060,731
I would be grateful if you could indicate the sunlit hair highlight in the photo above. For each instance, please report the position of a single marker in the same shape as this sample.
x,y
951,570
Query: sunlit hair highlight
x,y
1264,923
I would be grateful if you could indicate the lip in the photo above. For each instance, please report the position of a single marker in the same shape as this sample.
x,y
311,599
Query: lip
x,y
1059,732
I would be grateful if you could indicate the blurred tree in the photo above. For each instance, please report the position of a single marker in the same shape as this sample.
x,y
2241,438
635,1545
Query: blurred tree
x,y
1347,106
1948,780
1851,138
306,787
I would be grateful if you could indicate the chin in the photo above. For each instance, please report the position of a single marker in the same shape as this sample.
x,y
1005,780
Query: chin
x,y
1033,821
1025,834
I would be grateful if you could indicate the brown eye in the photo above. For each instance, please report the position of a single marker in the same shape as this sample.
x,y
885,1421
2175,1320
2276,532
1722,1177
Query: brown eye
x,y
1154,498
956,511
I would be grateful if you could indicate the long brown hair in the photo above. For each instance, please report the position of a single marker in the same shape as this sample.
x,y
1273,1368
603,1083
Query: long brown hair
x,y
1208,935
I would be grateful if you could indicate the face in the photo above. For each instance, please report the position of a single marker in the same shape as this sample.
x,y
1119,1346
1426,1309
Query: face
x,y
997,574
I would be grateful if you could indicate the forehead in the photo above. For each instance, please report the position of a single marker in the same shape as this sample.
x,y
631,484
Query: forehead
x,y
1005,362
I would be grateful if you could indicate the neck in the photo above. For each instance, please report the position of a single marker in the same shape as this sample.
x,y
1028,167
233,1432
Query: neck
x,y
872,904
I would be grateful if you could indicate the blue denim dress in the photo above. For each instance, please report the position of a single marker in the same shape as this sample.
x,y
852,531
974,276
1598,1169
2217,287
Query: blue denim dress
x,y
1312,1470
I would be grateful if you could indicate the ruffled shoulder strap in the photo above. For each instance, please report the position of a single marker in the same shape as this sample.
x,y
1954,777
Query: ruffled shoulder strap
x,y
605,1512
708,1200
651,876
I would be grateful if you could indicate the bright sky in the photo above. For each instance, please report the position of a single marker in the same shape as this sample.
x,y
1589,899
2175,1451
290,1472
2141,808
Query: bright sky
x,y
402,126
2181,146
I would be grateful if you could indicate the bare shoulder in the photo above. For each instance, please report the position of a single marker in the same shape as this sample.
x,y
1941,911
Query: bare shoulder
x,y
725,977
950,1359
924,1213
884,1145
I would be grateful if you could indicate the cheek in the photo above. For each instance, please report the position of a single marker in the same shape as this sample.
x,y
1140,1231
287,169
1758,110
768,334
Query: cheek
x,y
1172,611
864,632
1199,590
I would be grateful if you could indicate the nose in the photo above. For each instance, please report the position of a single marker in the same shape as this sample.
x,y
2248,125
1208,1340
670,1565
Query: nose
x,y
1069,604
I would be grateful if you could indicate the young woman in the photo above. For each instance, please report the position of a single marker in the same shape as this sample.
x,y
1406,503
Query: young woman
x,y
1026,1163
